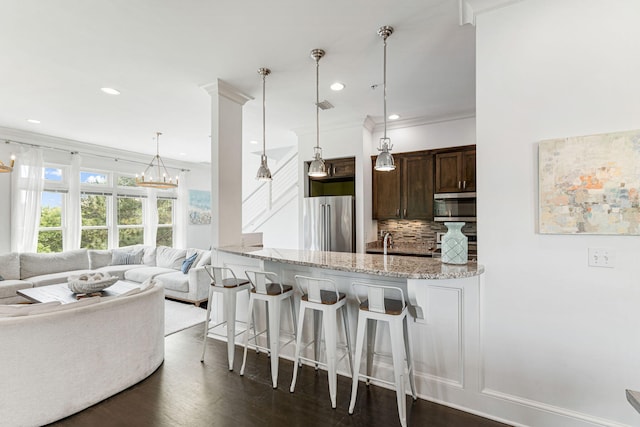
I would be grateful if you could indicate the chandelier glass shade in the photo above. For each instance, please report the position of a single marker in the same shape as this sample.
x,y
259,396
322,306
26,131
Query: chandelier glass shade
x,y
156,174
264,174
384,161
317,168
7,168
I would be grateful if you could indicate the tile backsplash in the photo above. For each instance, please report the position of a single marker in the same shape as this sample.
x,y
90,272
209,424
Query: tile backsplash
x,y
415,230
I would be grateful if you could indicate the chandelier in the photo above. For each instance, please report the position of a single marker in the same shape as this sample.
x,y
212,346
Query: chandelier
x,y
4,168
156,174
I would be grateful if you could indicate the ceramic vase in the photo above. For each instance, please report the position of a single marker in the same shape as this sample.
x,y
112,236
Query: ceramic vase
x,y
454,244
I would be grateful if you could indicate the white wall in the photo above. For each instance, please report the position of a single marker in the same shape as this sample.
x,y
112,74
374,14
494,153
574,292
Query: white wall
x,y
558,336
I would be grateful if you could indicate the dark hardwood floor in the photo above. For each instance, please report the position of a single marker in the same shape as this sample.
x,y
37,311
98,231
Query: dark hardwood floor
x,y
185,392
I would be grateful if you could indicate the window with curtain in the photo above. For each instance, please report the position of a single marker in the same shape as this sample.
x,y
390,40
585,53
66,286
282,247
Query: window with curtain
x,y
130,220
164,237
52,206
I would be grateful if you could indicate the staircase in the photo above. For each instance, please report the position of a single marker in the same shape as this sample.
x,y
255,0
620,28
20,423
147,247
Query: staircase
x,y
266,200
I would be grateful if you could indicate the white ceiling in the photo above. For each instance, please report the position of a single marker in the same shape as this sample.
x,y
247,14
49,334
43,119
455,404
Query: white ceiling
x,y
57,54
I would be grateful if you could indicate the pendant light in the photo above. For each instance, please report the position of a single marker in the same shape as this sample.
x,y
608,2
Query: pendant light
x,y
317,168
384,162
156,167
264,174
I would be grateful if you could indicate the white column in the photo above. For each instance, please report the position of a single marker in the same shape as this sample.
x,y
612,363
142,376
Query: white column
x,y
226,163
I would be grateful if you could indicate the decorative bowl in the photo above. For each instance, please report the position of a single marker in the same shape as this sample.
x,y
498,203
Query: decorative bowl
x,y
90,282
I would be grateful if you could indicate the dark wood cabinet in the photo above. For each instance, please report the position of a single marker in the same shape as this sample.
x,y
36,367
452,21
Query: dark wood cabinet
x,y
407,191
455,171
341,168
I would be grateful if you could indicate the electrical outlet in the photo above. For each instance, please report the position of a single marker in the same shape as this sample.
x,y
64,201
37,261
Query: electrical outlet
x,y
601,257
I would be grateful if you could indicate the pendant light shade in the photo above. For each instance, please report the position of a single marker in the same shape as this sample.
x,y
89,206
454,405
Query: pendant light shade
x,y
317,168
384,162
264,174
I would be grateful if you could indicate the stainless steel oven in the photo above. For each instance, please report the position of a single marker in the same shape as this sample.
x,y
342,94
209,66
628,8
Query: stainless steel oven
x,y
454,207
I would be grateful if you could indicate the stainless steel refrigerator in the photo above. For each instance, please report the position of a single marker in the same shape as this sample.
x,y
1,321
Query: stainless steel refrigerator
x,y
329,223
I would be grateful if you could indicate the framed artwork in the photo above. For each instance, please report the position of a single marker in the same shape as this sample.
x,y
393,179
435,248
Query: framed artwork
x,y
590,184
199,207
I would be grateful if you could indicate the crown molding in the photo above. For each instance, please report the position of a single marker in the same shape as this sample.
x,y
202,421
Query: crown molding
x,y
21,137
423,120
468,10
226,90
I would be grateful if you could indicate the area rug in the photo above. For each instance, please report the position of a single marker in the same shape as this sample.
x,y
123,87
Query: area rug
x,y
179,316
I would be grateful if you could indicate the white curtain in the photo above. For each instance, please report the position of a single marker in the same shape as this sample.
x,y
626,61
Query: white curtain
x,y
151,218
181,217
71,235
27,183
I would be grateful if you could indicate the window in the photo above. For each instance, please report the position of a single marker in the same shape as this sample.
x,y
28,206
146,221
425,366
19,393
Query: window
x,y
50,231
130,224
164,236
95,231
94,178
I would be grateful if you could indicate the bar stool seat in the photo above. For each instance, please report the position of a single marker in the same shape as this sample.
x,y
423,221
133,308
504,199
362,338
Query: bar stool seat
x,y
225,282
322,296
377,307
266,287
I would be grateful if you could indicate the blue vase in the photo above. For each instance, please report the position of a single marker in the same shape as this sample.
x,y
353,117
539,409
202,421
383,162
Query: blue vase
x,y
454,244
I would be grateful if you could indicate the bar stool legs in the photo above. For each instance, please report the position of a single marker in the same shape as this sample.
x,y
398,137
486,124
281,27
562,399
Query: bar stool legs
x,y
321,296
224,281
265,288
378,308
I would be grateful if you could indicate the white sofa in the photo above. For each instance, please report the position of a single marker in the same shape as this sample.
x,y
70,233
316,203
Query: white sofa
x,y
61,359
26,270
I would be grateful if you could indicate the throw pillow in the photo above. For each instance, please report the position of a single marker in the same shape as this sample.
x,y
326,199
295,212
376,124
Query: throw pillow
x,y
186,264
121,257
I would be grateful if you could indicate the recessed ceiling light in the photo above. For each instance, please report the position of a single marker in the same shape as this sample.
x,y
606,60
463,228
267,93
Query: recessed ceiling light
x,y
34,121
394,117
253,142
337,86
110,90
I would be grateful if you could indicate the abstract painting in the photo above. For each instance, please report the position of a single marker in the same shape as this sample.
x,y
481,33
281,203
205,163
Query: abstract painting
x,y
199,207
590,184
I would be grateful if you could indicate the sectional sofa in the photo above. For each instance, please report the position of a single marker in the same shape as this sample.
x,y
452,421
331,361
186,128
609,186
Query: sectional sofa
x,y
136,263
59,359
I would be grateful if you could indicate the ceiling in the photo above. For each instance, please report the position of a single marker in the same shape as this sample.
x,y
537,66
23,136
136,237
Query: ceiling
x,y
57,54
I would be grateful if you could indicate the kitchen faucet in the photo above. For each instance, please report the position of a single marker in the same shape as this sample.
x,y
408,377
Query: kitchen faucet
x,y
387,237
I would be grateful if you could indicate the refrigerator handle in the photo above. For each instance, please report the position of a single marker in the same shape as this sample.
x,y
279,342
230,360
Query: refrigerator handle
x,y
328,227
322,215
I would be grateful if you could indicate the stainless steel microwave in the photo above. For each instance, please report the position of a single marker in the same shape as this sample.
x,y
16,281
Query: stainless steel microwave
x,y
454,207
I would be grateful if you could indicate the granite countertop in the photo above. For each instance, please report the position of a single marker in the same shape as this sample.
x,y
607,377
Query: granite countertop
x,y
410,267
414,249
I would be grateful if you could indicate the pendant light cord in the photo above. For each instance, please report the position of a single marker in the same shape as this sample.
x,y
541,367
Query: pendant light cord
x,y
384,85
264,149
317,102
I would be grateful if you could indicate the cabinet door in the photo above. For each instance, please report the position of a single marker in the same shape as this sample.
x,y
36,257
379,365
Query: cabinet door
x,y
469,170
448,166
341,168
417,187
386,193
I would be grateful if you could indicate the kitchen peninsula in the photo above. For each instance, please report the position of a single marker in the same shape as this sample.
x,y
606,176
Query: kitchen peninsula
x,y
444,299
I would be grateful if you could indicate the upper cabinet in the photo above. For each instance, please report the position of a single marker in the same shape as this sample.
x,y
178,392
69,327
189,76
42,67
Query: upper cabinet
x,y
340,179
456,170
407,191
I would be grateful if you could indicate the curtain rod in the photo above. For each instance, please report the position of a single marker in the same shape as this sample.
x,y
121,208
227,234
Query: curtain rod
x,y
116,159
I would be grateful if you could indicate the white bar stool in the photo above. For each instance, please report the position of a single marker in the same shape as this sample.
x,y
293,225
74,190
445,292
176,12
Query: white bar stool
x,y
322,296
224,281
394,311
266,287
